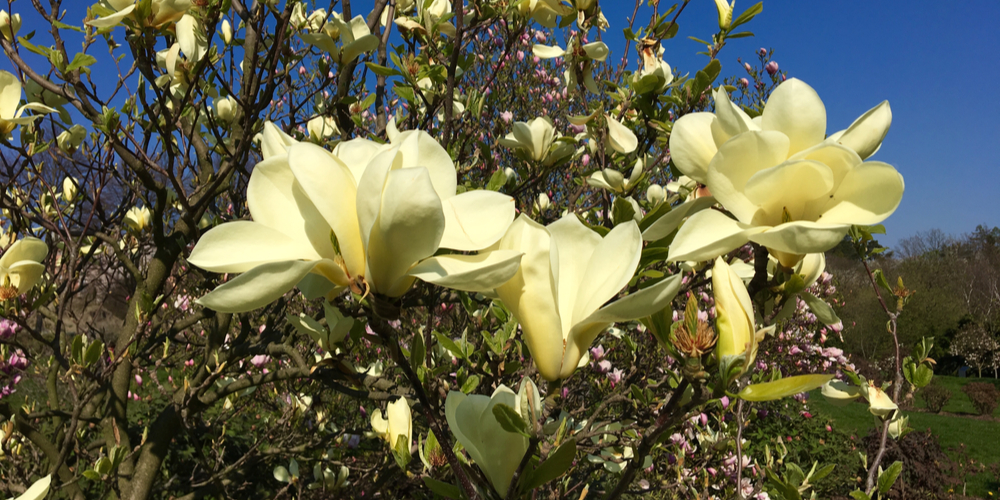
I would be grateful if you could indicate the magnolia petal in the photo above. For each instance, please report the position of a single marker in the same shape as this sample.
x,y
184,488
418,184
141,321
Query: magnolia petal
x,y
419,149
597,51
370,185
409,228
321,41
621,138
547,52
531,295
360,46
36,107
274,141
869,194
796,110
729,120
497,452
476,219
840,393
113,19
26,249
691,145
609,269
865,135
801,237
811,268
785,190
239,246
669,222
783,388
734,320
331,187
24,274
357,153
277,200
707,235
257,287
737,161
840,159
38,490
637,305
191,37
10,94
572,248
470,273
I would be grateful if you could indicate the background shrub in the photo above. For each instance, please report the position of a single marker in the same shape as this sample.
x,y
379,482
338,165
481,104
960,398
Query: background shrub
x,y
935,396
928,472
984,396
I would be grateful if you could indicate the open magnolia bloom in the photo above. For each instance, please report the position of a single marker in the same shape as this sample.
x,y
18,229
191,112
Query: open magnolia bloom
x,y
614,181
321,128
355,37
428,18
38,491
321,223
578,59
840,393
496,451
567,274
10,111
879,403
537,140
545,12
70,139
161,12
398,425
21,266
790,189
9,24
655,74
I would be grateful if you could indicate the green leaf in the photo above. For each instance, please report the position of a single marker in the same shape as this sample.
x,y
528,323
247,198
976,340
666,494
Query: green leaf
x,y
81,60
444,489
510,419
77,349
788,386
554,466
883,283
417,351
92,475
747,15
887,478
622,211
820,308
860,495
401,451
822,472
497,180
470,384
449,344
382,70
93,352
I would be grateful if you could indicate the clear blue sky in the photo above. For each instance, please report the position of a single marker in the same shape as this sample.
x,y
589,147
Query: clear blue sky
x,y
936,63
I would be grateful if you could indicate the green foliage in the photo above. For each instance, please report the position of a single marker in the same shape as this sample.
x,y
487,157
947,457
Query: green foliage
x,y
984,395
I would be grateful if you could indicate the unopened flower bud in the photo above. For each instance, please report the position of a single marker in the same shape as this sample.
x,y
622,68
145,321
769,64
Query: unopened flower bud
x,y
772,68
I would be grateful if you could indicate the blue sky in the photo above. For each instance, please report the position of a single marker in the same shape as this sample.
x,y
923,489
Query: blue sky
x,y
931,60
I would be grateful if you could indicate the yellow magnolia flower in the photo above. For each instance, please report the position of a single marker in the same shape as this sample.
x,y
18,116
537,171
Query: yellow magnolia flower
x,y
138,219
575,60
537,140
161,12
496,451
21,266
614,181
69,189
226,32
725,13
9,24
399,424
791,188
567,274
840,393
367,216
38,491
10,111
69,140
879,403
227,109
655,73
355,38
734,320
545,12
321,128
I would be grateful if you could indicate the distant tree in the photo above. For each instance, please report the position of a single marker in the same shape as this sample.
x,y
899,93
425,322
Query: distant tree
x,y
979,347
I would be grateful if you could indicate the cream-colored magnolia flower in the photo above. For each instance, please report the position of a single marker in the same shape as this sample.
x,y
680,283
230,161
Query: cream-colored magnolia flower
x,y
9,24
725,13
567,274
113,12
38,491
138,219
734,318
655,73
355,38
620,138
496,451
10,111
398,425
791,188
226,32
545,12
537,141
840,393
21,266
542,203
192,38
368,216
69,140
614,181
655,194
898,425
69,188
879,403
579,63
322,128
228,109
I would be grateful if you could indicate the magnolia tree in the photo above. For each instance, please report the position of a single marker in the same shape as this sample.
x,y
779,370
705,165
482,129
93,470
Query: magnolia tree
x,y
258,249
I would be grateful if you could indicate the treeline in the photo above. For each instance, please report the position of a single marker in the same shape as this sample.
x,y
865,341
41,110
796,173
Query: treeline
x,y
957,300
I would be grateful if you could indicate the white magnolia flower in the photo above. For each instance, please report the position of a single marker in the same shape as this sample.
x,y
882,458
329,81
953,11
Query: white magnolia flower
x,y
614,181
113,12
69,189
537,140
226,32
655,194
567,274
322,128
355,38
791,188
228,109
38,490
10,111
578,63
620,138
21,266
368,216
69,140
398,425
655,73
9,24
138,219
879,403
545,12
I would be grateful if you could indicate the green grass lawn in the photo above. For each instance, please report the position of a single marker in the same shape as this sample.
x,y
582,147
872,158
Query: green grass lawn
x,y
980,437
